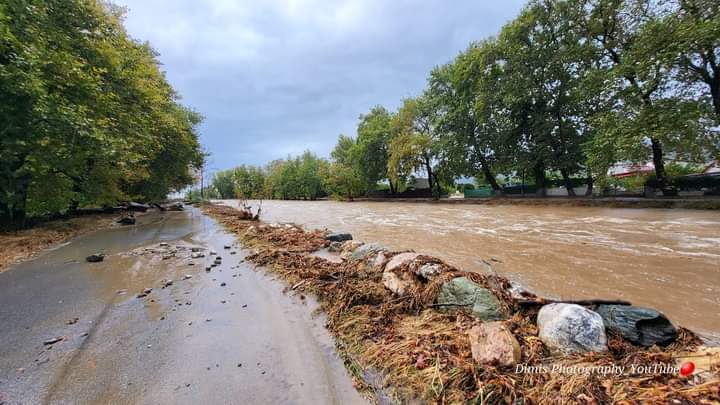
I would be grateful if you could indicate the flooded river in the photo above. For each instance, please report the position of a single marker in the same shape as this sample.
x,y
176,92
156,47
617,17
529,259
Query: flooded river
x,y
665,259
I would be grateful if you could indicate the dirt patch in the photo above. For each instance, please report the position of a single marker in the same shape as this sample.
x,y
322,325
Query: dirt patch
x,y
425,355
24,244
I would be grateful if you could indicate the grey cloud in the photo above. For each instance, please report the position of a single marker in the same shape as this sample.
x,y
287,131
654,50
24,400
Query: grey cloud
x,y
279,77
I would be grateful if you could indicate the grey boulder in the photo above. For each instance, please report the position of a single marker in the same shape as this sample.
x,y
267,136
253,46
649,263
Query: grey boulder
x,y
462,294
571,328
641,326
366,251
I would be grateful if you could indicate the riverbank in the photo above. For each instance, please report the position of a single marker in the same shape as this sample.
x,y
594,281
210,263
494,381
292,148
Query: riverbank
x,y
426,354
25,244
705,203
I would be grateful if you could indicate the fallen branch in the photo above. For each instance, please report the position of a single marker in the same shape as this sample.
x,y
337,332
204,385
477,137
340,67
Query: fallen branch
x,y
544,301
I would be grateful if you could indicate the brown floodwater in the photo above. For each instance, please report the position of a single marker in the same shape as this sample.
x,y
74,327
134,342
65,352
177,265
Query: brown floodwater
x,y
664,259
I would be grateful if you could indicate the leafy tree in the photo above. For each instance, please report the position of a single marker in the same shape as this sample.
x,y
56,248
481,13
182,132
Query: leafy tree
x,y
643,114
411,148
86,112
467,142
695,27
369,154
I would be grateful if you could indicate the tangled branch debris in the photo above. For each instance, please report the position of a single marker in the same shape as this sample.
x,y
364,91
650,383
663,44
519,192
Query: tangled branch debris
x,y
424,354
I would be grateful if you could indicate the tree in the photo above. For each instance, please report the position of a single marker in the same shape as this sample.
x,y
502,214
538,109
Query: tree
x,y
541,64
411,148
695,27
466,141
369,154
85,111
342,177
643,114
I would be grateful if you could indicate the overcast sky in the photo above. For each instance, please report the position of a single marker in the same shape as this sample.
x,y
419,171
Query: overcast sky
x,y
277,77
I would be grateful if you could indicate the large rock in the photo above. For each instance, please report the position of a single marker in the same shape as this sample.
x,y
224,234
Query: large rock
x,y
410,259
641,326
493,343
400,283
400,260
95,258
338,237
366,251
378,261
462,294
348,247
570,328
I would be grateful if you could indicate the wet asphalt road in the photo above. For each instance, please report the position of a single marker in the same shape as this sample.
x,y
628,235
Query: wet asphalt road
x,y
195,341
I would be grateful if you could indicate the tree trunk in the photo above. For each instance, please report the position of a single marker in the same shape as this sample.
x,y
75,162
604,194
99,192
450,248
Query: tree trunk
x,y
428,169
392,187
715,92
568,183
657,152
489,176
437,186
539,172
589,190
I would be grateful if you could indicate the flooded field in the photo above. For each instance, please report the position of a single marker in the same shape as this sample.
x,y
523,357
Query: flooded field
x,y
665,259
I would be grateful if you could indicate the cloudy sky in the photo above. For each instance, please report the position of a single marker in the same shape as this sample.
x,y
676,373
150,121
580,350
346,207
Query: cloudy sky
x,y
278,77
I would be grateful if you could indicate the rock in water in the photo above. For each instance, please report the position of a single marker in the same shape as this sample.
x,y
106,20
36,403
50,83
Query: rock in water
x,y
338,237
364,251
571,328
641,326
462,294
96,257
335,247
493,343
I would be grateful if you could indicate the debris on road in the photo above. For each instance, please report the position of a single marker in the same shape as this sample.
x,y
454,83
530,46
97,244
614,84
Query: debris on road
x,y
95,258
54,340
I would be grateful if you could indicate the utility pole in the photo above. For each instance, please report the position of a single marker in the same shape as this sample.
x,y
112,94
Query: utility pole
x,y
202,178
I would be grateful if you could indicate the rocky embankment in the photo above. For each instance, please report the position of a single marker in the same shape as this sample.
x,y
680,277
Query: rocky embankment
x,y
440,334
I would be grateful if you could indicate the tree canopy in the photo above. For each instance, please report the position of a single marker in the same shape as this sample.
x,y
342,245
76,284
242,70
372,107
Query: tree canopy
x,y
87,116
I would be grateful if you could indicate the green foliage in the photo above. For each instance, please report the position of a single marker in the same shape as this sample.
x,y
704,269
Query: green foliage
x,y
369,155
86,112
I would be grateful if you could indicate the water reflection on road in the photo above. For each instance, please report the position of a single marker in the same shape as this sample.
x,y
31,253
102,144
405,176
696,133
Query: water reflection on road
x,y
666,259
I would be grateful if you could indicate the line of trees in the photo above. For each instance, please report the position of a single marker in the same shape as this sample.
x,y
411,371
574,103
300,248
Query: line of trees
x,y
565,90
86,115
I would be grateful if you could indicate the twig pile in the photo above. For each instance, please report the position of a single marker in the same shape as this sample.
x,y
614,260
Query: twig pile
x,y
425,354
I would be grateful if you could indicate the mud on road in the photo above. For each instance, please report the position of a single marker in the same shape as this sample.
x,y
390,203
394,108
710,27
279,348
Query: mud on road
x,y
159,322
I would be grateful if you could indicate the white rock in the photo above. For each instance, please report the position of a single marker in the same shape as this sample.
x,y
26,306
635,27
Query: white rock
x,y
571,328
400,284
400,260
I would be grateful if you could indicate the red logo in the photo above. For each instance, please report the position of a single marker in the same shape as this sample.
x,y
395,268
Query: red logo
x,y
687,368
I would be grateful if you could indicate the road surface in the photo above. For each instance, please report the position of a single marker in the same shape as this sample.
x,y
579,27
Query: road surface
x,y
195,341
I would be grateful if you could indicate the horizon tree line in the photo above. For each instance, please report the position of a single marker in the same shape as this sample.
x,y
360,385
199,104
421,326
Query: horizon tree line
x,y
568,88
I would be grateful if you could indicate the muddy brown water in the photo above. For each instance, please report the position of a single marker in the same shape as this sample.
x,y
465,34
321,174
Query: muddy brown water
x,y
664,259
